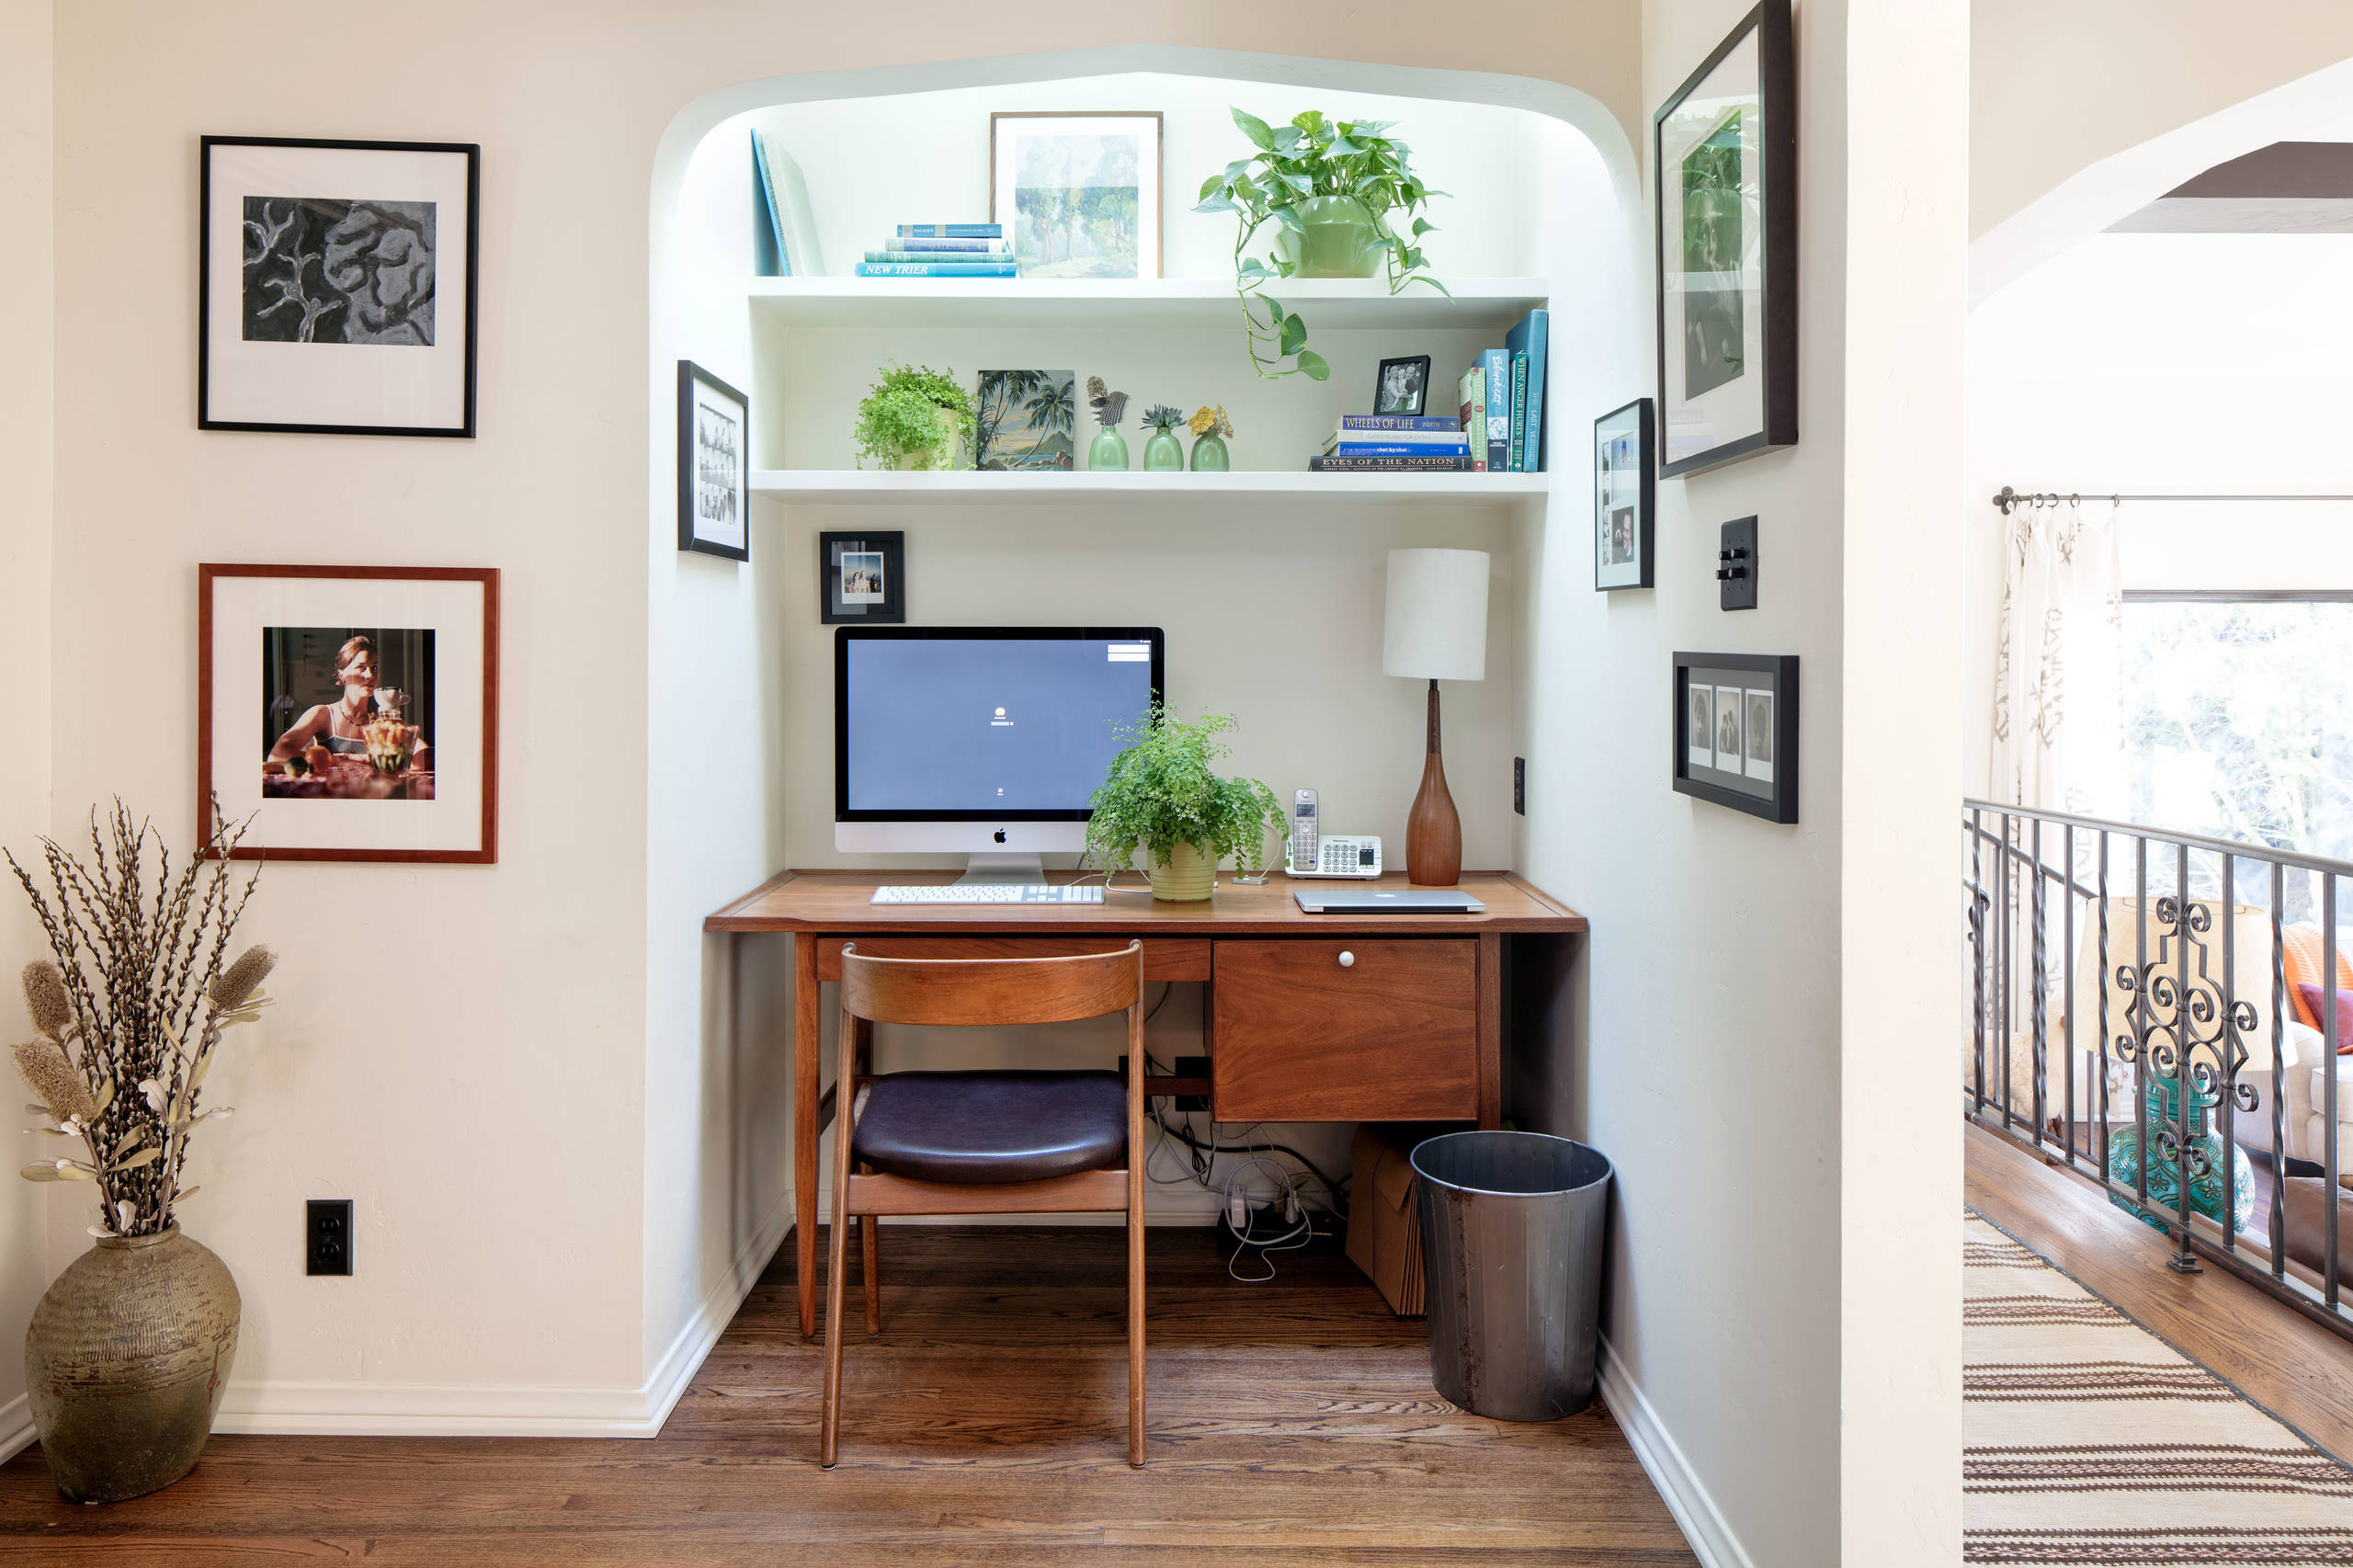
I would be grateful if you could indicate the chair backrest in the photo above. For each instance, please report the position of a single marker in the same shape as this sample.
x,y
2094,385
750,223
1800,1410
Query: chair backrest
x,y
990,991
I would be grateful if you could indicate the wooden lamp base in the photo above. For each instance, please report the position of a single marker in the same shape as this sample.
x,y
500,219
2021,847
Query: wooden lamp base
x,y
1433,830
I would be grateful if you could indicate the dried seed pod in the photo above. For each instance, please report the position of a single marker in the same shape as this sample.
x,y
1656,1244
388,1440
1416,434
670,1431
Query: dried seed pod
x,y
46,998
241,979
43,1064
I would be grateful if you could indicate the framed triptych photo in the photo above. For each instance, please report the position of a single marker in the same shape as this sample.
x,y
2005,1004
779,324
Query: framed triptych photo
x,y
1736,731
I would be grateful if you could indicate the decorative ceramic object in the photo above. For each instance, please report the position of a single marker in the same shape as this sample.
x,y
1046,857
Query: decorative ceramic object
x,y
1108,452
1336,239
1189,876
2163,1108
1209,427
946,452
1163,453
125,1360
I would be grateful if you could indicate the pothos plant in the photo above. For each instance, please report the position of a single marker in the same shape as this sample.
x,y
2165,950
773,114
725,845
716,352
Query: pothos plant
x,y
902,413
1162,792
1313,156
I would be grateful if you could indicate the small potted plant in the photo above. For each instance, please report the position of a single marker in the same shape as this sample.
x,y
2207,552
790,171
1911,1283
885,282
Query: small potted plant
x,y
1163,453
1330,187
1162,797
916,417
1110,450
1210,429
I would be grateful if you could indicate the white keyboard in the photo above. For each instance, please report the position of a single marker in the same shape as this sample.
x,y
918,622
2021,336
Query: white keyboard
x,y
999,893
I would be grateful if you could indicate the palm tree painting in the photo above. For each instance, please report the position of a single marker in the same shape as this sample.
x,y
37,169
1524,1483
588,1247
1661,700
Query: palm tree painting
x,y
1026,419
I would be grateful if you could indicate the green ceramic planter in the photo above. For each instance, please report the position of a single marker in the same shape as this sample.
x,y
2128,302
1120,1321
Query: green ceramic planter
x,y
1188,878
1339,240
945,453
1163,453
1208,454
1110,451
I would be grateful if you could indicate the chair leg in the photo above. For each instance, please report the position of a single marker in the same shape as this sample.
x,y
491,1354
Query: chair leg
x,y
869,1237
837,1266
1136,1334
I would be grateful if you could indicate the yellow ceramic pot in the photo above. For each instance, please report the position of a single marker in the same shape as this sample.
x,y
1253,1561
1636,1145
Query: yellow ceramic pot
x,y
1189,877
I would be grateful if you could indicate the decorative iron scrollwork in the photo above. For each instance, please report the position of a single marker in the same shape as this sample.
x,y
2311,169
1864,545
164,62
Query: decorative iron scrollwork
x,y
2200,1042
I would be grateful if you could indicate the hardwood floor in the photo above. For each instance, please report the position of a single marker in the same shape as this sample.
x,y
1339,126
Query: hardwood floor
x,y
2297,1370
986,1426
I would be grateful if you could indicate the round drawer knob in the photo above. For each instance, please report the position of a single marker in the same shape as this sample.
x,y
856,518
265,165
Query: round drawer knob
x,y
1347,960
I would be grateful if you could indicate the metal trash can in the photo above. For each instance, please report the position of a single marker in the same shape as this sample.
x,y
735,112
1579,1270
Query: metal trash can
x,y
1512,1232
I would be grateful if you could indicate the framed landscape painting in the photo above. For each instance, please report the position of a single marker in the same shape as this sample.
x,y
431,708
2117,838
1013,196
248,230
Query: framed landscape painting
x,y
335,282
1026,421
1725,149
1079,193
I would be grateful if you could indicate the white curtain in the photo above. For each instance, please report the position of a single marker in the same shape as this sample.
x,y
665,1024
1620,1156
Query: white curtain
x,y
2058,672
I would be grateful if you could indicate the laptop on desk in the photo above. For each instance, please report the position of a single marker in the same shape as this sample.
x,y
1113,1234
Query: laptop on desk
x,y
1340,899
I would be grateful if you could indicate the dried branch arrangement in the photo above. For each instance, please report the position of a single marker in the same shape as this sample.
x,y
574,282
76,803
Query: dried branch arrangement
x,y
130,1011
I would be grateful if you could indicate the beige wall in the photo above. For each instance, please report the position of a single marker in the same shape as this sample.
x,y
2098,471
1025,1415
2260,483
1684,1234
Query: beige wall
x,y
26,428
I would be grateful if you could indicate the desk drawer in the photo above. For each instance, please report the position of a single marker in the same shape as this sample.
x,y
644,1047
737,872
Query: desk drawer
x,y
1389,1036
1165,958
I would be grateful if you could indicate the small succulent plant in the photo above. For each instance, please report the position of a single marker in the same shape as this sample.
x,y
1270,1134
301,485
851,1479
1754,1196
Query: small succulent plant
x,y
1163,416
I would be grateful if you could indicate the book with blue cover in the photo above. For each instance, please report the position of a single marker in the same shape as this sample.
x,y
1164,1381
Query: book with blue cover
x,y
1383,450
1519,456
1399,422
939,246
1457,464
938,269
951,231
1530,338
769,258
940,257
1496,362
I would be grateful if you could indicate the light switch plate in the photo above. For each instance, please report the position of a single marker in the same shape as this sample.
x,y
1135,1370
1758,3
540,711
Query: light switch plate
x,y
1736,565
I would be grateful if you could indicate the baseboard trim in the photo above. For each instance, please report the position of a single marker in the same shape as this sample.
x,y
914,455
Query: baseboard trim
x,y
16,1432
1695,1511
417,1410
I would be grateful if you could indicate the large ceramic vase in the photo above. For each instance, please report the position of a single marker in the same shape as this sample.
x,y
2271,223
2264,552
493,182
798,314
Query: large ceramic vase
x,y
2163,1108
124,1364
1189,876
1336,238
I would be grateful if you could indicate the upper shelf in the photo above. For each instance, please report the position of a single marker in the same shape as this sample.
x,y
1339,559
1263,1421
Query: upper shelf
x,y
1485,303
965,487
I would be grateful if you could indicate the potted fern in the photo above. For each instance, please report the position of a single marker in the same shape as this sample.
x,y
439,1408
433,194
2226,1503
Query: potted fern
x,y
916,419
1162,797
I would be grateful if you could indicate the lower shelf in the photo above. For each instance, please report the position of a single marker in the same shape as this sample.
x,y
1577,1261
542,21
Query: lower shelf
x,y
967,487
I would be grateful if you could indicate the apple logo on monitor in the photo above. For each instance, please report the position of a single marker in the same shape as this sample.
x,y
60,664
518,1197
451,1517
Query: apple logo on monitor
x,y
1000,835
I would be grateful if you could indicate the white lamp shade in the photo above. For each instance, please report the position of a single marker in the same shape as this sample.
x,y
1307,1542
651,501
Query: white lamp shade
x,y
1436,624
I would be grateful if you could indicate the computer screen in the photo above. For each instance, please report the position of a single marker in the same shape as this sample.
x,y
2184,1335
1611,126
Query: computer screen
x,y
983,723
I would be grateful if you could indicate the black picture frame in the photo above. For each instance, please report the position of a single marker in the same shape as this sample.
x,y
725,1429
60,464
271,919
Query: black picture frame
x,y
208,418
713,537
836,607
1690,441
1766,784
1621,434
1421,386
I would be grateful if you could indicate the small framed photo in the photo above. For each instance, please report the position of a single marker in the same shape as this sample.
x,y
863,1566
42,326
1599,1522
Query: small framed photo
x,y
1077,193
1725,209
1736,732
714,472
336,286
1625,496
1403,386
352,711
862,578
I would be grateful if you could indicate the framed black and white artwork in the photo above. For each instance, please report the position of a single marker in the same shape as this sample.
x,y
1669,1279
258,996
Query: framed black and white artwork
x,y
1403,386
1725,149
714,474
336,286
1625,494
862,578
1736,731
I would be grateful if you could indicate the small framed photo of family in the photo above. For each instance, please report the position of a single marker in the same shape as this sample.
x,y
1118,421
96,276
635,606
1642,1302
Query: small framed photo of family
x,y
336,286
714,465
862,578
1625,493
1736,732
1403,386
351,712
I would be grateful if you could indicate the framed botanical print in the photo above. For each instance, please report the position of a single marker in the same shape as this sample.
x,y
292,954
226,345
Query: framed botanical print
x,y
862,578
351,712
1736,731
336,286
1724,158
1625,493
714,474
1077,193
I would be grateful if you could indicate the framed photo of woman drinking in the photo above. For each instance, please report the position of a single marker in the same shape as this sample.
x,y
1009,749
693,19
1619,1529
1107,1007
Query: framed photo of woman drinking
x,y
352,711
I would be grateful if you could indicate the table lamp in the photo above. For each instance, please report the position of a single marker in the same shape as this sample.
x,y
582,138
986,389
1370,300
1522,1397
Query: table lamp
x,y
1435,628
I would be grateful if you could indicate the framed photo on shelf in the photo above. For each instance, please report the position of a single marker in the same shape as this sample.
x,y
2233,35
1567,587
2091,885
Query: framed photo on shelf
x,y
862,578
352,711
714,474
1403,386
1625,497
336,286
1725,147
1736,731
1078,192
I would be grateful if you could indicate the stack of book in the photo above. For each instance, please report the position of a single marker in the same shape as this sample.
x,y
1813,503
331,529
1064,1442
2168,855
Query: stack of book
x,y
943,250
1502,401
1395,443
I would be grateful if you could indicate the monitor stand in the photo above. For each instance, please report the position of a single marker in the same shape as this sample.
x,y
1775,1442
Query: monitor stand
x,y
992,870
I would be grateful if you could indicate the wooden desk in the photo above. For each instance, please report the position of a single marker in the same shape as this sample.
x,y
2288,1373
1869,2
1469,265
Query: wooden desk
x,y
1312,1018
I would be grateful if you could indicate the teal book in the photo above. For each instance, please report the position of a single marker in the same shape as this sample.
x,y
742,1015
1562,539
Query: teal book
x,y
1518,455
769,258
938,269
951,231
940,258
1529,337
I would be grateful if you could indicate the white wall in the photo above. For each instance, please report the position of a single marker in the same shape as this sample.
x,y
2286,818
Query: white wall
x,y
27,361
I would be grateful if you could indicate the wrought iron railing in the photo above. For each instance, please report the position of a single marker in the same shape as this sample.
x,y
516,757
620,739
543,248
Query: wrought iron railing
x,y
2133,1018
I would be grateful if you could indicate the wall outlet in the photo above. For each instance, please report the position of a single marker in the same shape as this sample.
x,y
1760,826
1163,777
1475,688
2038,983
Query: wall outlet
x,y
326,1236
1736,565
1519,785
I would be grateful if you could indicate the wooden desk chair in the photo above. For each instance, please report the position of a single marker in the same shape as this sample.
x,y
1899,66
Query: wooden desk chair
x,y
986,1142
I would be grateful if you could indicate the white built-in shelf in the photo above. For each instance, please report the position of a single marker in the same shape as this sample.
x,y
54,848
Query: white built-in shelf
x,y
967,487
1484,303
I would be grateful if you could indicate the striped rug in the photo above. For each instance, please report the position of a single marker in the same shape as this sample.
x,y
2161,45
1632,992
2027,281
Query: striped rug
x,y
2089,1442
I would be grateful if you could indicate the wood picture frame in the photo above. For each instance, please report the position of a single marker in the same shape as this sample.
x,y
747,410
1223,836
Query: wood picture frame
x,y
1004,187
1737,708
1725,262
317,314
1625,497
714,465
427,795
843,559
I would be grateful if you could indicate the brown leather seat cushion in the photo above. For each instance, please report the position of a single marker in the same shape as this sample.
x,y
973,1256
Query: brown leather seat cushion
x,y
993,1127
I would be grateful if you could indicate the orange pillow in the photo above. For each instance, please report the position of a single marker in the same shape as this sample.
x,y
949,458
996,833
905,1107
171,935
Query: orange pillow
x,y
2302,957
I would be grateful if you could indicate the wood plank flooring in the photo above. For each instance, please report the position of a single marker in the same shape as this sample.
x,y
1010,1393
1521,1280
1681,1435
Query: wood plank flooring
x,y
2297,1370
1294,1420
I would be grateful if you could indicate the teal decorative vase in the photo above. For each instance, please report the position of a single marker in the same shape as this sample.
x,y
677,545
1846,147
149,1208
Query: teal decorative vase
x,y
1108,452
2165,1174
1208,454
1163,453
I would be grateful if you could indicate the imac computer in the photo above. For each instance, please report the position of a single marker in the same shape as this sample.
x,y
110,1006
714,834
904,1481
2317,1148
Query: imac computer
x,y
984,741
